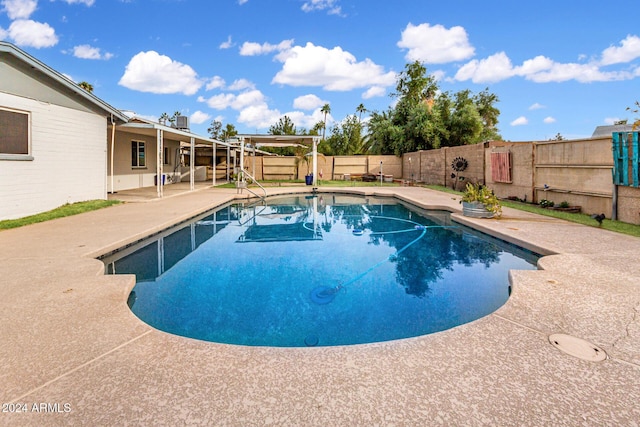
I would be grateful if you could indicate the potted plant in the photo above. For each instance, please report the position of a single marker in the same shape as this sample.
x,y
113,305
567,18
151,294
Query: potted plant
x,y
479,201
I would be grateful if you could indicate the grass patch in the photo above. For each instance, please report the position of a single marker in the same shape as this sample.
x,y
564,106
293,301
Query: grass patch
x,y
580,218
61,212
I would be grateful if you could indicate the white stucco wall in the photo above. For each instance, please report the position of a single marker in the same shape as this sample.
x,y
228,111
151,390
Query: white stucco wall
x,y
69,160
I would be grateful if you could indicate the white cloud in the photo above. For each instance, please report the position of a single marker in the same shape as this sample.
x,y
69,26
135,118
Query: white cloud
x,y
19,9
155,73
241,2
520,121
493,69
220,101
536,65
628,50
254,112
435,44
33,34
541,69
216,82
331,6
227,44
258,116
88,52
3,34
242,84
373,92
584,73
549,120
611,120
308,102
253,49
536,106
245,99
199,117
335,69
237,102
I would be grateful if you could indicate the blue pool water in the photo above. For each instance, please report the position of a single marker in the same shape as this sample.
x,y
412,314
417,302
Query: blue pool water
x,y
320,270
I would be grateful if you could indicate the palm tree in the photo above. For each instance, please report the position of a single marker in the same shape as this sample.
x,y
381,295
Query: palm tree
x,y
326,109
163,118
360,109
86,86
173,119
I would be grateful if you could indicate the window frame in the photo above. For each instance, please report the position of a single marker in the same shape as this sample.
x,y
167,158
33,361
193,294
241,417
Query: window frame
x,y
136,159
19,156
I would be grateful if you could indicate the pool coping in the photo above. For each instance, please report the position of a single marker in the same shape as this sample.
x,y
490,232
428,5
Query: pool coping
x,y
69,337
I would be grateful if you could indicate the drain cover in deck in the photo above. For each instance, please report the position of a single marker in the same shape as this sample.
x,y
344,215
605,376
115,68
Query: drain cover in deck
x,y
577,347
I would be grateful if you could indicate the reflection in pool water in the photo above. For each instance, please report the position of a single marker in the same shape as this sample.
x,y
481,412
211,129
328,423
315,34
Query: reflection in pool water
x,y
317,270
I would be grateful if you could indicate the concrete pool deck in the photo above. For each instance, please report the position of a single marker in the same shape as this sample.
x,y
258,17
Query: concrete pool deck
x,y
73,354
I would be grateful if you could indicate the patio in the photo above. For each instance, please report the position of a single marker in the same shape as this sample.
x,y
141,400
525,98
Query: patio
x,y
70,342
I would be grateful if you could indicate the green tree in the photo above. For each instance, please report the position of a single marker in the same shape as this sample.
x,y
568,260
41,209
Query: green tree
x,y
229,131
86,86
360,109
214,129
315,130
414,85
464,123
173,119
485,103
382,133
346,138
326,109
284,126
164,117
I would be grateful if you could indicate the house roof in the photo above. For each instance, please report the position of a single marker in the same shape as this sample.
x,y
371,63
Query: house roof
x,y
606,131
49,73
278,140
143,126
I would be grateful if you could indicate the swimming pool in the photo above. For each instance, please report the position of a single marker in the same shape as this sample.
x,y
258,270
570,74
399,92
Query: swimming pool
x,y
325,270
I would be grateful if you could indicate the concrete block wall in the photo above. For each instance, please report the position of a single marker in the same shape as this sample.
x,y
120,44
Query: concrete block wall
x,y
628,204
475,172
521,170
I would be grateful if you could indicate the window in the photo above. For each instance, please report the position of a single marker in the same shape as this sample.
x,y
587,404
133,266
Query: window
x,y
166,156
14,133
138,154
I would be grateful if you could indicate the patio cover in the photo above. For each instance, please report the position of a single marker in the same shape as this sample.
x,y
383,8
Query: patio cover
x,y
258,141
140,126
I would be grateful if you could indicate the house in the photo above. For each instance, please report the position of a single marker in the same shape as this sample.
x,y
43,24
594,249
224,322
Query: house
x,y
61,144
53,137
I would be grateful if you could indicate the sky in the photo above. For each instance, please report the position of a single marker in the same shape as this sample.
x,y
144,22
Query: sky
x,y
557,67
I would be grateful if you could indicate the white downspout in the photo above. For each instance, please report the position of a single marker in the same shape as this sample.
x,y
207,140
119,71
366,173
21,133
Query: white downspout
x,y
192,164
228,162
159,137
241,180
215,157
315,162
113,141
